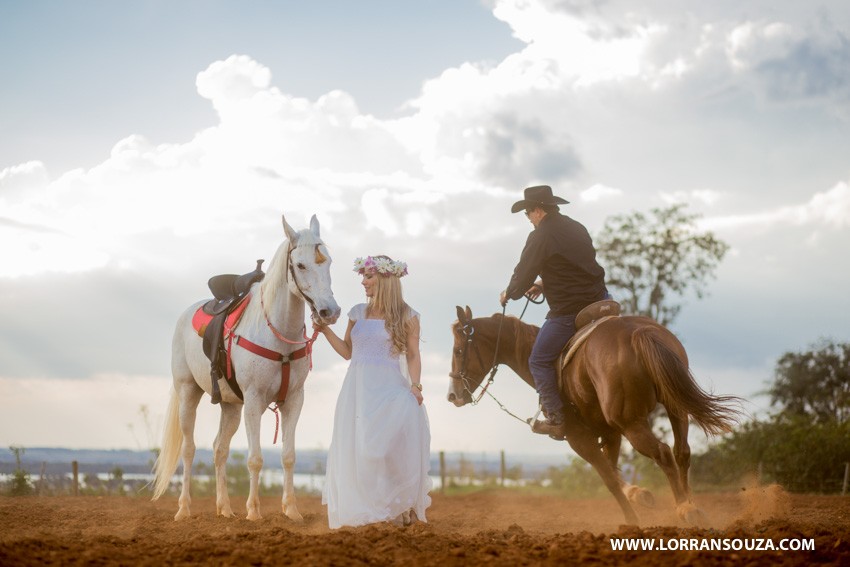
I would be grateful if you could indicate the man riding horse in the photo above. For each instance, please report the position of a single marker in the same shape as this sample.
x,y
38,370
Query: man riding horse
x,y
561,252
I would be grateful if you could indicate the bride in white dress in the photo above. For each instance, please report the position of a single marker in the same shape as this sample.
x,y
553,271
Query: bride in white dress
x,y
379,456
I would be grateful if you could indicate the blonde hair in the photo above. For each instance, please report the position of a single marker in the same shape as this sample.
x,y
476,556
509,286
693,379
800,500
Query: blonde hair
x,y
389,301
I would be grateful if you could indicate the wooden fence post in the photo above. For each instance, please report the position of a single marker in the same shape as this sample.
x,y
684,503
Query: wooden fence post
x,y
75,466
846,478
442,472
502,469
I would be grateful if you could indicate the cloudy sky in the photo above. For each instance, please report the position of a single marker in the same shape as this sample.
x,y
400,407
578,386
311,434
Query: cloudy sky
x,y
147,146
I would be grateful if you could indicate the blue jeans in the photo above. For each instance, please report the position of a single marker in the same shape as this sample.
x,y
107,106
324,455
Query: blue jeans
x,y
551,340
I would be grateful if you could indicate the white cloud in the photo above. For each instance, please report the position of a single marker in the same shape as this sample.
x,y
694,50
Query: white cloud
x,y
829,209
567,47
599,192
787,62
232,84
750,45
28,252
701,196
30,176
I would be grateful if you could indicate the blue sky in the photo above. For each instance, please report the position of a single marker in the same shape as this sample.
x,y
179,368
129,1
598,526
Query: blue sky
x,y
408,128
90,71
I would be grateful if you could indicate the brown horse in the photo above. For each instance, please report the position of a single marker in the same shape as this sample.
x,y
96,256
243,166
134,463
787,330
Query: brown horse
x,y
625,367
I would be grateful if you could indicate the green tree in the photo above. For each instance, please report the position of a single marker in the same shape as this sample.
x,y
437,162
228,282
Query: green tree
x,y
20,482
800,455
649,260
238,476
116,481
804,445
814,383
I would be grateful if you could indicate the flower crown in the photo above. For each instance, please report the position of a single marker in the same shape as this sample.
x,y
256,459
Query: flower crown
x,y
381,265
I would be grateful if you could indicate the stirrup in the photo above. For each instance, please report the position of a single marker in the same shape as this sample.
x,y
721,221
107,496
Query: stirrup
x,y
216,389
534,423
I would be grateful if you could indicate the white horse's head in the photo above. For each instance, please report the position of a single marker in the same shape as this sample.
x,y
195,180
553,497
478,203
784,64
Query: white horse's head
x,y
308,266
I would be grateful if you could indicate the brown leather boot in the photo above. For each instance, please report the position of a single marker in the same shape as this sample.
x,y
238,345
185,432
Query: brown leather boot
x,y
554,427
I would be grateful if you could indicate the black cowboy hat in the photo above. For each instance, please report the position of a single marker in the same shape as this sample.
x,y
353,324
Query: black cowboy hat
x,y
536,196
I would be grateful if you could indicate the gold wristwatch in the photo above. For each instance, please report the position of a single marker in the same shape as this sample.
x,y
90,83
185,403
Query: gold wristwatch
x,y
418,386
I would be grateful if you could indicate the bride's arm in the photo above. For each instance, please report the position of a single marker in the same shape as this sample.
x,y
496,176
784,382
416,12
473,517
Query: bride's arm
x,y
341,346
414,360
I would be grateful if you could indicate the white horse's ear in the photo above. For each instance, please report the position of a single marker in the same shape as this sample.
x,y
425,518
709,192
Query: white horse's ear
x,y
314,226
290,232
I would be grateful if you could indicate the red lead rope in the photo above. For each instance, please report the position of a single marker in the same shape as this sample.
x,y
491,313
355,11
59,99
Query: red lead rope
x,y
307,342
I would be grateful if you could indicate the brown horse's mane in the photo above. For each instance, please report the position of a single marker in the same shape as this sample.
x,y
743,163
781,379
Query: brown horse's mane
x,y
517,338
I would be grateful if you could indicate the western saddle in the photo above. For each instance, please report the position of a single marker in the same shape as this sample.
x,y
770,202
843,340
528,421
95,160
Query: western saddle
x,y
229,294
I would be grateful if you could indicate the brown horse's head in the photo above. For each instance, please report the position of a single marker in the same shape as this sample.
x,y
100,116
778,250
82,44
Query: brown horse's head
x,y
472,355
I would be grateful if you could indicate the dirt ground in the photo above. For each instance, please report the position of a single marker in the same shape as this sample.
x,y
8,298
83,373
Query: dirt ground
x,y
497,527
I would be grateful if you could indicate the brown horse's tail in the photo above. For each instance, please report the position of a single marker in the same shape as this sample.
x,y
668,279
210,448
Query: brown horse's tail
x,y
677,389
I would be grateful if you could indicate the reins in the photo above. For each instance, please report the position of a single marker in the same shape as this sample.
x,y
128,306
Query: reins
x,y
494,367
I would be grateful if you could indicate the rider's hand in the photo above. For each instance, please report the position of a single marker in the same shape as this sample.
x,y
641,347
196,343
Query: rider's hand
x,y
534,291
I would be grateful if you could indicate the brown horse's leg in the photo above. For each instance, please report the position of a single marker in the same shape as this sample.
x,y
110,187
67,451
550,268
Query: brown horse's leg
x,y
682,452
641,437
584,443
681,449
611,448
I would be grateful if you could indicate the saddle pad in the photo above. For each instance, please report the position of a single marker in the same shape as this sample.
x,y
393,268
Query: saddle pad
x,y
200,320
578,339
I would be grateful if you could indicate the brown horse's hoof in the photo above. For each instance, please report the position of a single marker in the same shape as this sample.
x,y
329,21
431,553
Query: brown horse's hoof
x,y
640,496
692,515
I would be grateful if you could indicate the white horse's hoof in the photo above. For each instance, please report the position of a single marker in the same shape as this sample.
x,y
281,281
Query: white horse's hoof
x,y
226,513
181,514
292,513
253,516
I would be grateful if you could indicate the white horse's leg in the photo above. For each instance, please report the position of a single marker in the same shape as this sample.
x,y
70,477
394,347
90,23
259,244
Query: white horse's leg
x,y
254,409
230,417
289,414
189,396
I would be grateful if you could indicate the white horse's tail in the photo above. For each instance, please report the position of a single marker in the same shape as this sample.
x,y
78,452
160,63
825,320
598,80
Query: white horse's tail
x,y
172,442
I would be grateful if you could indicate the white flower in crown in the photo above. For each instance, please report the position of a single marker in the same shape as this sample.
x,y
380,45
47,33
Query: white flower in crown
x,y
381,265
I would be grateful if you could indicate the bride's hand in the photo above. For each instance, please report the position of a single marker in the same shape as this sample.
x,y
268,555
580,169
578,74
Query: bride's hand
x,y
417,393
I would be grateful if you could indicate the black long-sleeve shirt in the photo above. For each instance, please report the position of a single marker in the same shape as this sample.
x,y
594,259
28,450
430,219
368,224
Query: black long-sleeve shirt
x,y
561,252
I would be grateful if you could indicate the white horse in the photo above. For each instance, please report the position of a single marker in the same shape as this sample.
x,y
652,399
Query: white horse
x,y
273,319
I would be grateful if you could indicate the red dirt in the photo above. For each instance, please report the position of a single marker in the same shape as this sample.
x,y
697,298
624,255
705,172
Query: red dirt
x,y
497,527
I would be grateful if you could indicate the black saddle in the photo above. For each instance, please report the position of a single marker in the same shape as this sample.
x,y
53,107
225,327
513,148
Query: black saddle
x,y
229,290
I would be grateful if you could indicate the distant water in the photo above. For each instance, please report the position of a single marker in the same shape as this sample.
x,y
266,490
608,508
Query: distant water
x,y
269,477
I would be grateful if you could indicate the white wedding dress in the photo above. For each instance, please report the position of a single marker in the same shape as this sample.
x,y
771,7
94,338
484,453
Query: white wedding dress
x,y
379,456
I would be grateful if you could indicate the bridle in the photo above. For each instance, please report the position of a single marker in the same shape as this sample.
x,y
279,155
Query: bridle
x,y
468,331
289,267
